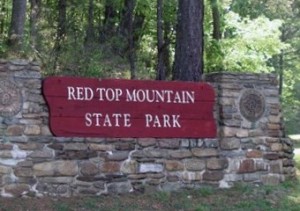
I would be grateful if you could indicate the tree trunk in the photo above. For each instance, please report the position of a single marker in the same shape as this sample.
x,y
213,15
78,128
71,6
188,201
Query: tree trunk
x,y
90,34
188,64
283,38
281,73
2,17
62,18
108,28
160,72
16,31
127,31
131,5
61,29
216,20
166,50
35,6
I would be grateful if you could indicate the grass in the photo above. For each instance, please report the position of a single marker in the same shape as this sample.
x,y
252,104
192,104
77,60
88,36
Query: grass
x,y
62,207
242,197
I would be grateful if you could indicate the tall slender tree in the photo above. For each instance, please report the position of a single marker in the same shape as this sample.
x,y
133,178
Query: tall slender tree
x,y
90,32
35,11
161,70
61,29
2,16
127,31
188,64
217,35
18,18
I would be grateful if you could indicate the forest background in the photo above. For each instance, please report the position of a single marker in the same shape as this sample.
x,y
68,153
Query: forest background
x,y
137,39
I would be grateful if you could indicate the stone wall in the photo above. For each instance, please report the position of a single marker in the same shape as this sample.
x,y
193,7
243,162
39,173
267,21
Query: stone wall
x,y
250,146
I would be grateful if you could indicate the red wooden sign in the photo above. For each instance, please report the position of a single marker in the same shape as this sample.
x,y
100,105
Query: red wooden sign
x,y
84,107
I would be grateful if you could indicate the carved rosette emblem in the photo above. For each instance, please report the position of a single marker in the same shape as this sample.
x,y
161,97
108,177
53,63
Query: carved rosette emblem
x,y
252,105
10,99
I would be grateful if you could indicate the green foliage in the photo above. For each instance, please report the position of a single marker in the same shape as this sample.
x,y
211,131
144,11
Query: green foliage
x,y
291,101
288,65
248,45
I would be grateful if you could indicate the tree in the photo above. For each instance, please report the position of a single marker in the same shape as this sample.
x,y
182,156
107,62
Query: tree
x,y
90,34
16,31
130,5
61,29
131,25
217,35
188,64
109,21
161,70
2,16
35,11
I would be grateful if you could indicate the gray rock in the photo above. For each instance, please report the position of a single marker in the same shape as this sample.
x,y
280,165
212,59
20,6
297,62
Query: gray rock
x,y
199,152
89,169
194,164
16,190
119,187
230,143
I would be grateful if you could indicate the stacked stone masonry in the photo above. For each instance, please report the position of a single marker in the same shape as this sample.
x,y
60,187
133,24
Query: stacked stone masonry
x,y
35,163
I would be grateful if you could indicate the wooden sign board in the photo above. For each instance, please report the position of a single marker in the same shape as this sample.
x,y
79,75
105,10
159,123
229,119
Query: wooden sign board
x,y
85,107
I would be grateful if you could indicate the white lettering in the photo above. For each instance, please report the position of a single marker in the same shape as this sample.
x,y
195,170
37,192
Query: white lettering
x,y
100,90
130,96
119,93
140,95
89,94
175,119
110,94
190,96
127,122
71,93
117,117
159,96
165,121
150,98
80,93
148,119
107,122
156,122
169,92
177,98
88,120
97,118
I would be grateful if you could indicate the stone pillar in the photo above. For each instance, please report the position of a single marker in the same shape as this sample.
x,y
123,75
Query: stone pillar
x,y
251,132
23,118
22,107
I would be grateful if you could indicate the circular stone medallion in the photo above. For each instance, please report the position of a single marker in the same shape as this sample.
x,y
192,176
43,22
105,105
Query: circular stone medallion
x,y
252,105
10,99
